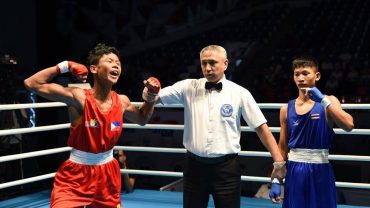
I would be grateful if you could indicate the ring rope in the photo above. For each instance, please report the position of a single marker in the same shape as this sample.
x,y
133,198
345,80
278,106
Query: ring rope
x,y
167,150
33,154
261,105
26,180
241,153
172,174
155,126
59,104
34,129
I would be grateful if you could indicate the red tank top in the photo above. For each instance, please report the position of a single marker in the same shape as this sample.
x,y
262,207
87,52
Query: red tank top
x,y
98,131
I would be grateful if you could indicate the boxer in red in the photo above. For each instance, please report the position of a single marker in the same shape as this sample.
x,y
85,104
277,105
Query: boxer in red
x,y
91,177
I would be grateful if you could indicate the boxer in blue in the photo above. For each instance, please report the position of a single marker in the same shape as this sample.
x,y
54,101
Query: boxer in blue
x,y
305,139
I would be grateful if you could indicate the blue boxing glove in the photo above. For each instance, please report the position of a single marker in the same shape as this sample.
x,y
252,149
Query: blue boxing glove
x,y
275,190
277,176
317,96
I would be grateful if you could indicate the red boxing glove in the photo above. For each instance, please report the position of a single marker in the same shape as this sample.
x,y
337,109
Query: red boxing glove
x,y
151,89
72,67
78,70
153,85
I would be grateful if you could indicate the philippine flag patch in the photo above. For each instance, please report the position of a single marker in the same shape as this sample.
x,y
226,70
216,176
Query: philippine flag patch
x,y
115,126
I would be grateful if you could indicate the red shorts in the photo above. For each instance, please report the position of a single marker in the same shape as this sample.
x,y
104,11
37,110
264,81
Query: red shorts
x,y
77,185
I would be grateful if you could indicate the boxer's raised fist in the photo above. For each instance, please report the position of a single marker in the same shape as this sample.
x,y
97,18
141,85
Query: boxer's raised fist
x,y
78,70
151,89
152,84
315,95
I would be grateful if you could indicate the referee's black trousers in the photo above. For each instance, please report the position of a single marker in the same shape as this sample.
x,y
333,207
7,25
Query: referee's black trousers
x,y
217,177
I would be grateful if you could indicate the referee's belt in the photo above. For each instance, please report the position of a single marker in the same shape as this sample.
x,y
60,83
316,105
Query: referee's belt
x,y
211,160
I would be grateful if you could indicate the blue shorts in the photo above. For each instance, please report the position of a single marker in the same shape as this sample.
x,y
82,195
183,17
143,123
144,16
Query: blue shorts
x,y
309,185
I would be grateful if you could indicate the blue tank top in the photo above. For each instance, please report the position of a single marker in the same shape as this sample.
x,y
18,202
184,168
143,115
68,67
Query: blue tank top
x,y
310,130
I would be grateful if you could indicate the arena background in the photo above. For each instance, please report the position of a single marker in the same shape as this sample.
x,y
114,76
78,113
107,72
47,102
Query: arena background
x,y
163,38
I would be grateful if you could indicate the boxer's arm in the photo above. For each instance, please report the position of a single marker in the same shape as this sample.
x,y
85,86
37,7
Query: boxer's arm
x,y
140,115
269,142
341,118
279,171
41,85
332,107
276,180
150,96
283,144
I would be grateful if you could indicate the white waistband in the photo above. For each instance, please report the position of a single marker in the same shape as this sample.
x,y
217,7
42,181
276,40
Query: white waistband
x,y
88,158
309,155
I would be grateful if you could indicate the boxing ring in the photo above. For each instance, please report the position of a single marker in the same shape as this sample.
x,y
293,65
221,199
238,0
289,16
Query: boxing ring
x,y
153,198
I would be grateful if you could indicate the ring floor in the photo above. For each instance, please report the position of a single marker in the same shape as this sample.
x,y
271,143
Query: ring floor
x,y
139,198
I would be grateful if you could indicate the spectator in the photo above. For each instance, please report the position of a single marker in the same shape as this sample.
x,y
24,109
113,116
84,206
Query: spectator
x,y
128,182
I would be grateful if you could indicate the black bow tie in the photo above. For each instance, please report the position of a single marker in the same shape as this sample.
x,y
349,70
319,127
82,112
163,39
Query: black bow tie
x,y
212,85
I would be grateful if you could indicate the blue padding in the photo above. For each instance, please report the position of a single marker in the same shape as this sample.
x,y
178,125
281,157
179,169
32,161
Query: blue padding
x,y
139,198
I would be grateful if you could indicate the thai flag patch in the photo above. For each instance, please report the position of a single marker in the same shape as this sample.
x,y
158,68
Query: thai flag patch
x,y
315,116
115,126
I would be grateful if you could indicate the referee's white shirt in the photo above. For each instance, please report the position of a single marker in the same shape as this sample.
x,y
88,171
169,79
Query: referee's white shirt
x,y
212,118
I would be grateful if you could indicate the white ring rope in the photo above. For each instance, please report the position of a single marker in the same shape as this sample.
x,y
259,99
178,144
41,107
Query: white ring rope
x,y
34,129
167,150
162,150
261,105
26,180
180,174
171,174
155,126
241,153
59,104
34,154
